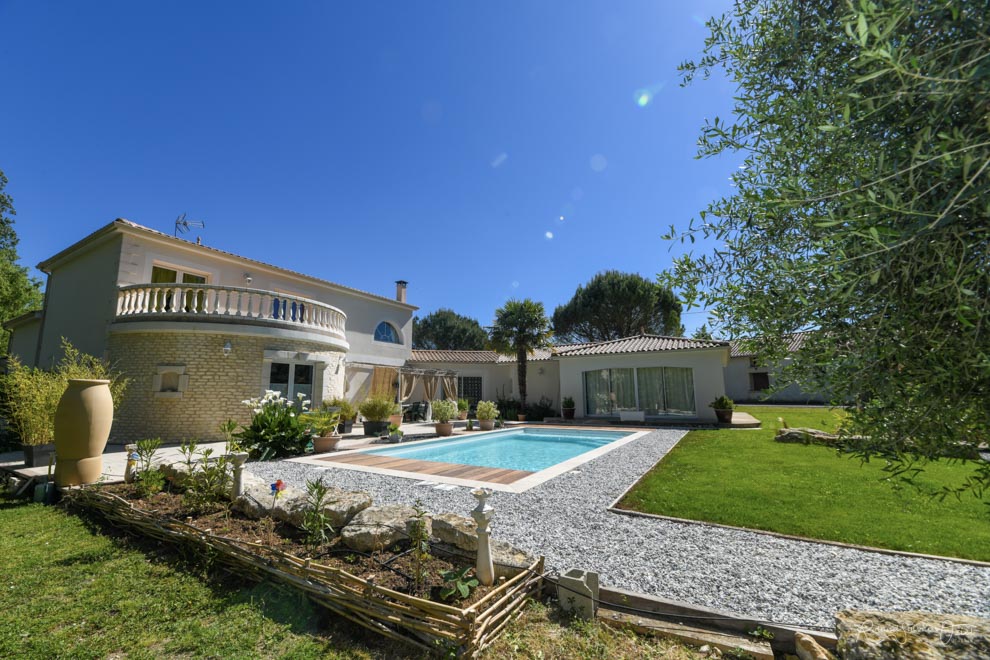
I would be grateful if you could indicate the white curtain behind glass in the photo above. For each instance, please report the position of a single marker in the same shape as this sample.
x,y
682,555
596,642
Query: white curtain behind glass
x,y
679,388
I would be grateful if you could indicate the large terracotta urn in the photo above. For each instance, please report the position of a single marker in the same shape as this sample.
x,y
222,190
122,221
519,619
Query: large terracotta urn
x,y
82,426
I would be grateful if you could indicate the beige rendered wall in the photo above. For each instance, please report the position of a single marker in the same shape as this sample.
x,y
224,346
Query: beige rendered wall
x,y
364,314
707,365
494,377
737,386
24,341
216,386
538,385
81,301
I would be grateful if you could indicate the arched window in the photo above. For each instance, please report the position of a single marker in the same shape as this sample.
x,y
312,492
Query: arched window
x,y
387,333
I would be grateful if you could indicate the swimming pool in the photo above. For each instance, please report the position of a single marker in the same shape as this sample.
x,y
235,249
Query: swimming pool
x,y
528,449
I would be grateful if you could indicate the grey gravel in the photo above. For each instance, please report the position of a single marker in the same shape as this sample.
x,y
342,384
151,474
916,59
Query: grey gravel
x,y
781,580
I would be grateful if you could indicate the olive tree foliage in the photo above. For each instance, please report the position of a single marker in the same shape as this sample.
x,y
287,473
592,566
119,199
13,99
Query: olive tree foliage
x,y
521,327
19,292
613,305
862,211
446,330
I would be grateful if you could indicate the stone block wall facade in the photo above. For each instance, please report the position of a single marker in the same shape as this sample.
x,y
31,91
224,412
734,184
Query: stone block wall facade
x,y
211,387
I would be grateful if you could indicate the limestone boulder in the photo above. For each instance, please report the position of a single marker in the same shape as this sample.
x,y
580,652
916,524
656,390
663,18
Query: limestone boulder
x,y
807,437
378,527
911,635
256,499
343,505
508,555
807,648
458,531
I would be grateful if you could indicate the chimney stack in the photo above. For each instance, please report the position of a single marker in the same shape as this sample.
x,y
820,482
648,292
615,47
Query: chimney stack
x,y
400,290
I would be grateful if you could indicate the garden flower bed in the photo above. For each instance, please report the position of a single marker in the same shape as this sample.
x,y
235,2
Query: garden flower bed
x,y
376,590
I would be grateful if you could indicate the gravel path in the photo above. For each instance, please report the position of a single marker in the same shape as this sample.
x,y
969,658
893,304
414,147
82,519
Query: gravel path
x,y
785,581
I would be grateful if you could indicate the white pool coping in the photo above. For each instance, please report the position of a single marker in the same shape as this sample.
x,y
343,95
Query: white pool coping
x,y
535,479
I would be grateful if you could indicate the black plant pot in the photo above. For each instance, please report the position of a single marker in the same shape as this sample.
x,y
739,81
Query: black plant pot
x,y
568,413
375,428
346,426
38,455
723,416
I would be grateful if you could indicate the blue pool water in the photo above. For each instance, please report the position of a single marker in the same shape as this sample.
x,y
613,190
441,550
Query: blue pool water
x,y
519,449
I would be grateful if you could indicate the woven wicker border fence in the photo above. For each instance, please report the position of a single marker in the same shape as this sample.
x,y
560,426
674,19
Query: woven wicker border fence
x,y
432,627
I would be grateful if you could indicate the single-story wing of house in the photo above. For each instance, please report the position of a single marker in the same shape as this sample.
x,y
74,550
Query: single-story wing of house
x,y
747,379
665,378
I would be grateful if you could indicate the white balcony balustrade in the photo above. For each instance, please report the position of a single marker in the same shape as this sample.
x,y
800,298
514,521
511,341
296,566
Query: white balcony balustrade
x,y
209,302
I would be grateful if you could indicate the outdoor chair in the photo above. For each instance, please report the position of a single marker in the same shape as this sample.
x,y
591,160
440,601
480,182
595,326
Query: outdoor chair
x,y
416,412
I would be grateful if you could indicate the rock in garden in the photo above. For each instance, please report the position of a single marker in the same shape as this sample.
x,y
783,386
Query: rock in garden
x,y
507,555
177,472
343,505
807,437
378,527
256,499
807,648
458,531
911,635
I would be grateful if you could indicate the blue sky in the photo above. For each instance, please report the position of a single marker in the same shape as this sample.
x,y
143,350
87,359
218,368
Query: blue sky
x,y
481,151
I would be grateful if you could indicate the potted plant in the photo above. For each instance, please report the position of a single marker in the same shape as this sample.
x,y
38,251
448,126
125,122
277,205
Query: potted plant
x,y
444,411
396,417
723,406
462,408
486,412
567,407
323,425
394,433
376,411
347,413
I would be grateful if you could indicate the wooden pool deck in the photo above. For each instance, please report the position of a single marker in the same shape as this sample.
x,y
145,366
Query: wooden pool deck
x,y
429,468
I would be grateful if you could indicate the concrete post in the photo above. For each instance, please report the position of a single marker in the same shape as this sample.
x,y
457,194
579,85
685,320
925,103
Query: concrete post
x,y
238,459
482,515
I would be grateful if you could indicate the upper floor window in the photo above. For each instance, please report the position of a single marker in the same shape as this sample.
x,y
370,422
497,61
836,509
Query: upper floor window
x,y
387,333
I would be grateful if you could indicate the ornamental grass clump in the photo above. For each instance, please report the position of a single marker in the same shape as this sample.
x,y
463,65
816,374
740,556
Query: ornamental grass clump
x,y
276,430
378,408
29,396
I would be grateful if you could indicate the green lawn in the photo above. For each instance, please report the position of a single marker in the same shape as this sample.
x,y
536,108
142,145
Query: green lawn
x,y
744,478
71,591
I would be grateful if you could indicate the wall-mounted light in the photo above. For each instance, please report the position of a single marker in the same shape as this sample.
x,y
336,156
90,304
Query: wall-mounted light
x,y
227,348
540,371
247,277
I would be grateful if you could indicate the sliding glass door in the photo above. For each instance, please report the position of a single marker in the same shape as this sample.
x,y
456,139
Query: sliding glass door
x,y
654,390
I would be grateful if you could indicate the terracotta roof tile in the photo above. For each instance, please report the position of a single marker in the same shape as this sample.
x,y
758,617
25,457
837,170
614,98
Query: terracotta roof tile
x,y
638,344
476,357
794,342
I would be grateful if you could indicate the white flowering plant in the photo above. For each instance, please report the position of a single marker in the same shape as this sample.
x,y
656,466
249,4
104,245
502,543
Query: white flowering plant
x,y
277,428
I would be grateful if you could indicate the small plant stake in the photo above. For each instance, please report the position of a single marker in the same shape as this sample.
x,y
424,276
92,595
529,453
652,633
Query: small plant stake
x,y
238,458
482,515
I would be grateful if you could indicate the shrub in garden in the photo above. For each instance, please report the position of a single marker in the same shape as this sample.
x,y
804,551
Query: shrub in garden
x,y
378,408
443,410
541,409
149,479
29,395
276,429
486,410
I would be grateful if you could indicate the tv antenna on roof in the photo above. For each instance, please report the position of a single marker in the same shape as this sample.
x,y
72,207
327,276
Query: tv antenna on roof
x,y
182,225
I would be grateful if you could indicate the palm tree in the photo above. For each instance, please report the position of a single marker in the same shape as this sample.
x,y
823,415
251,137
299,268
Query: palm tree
x,y
521,326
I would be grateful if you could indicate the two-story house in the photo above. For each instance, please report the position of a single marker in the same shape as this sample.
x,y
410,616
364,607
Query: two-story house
x,y
198,330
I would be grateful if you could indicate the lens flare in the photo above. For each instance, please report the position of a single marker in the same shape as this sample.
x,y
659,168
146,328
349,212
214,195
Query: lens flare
x,y
598,163
549,235
643,98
